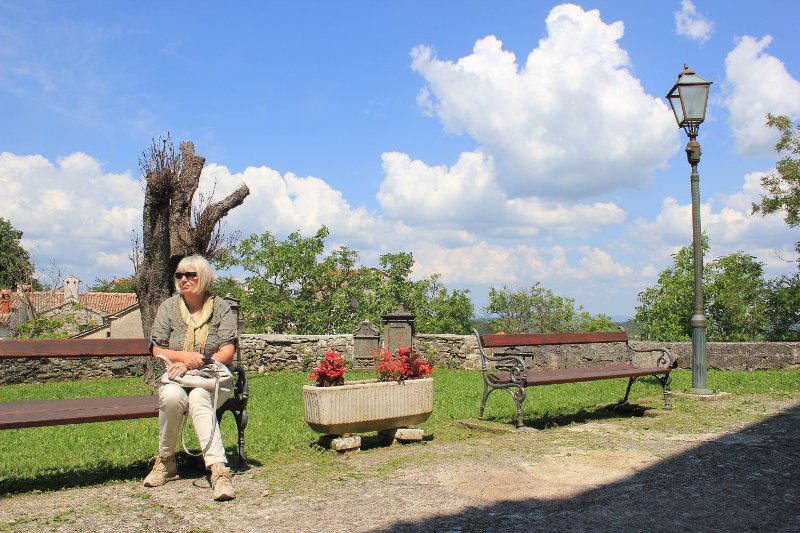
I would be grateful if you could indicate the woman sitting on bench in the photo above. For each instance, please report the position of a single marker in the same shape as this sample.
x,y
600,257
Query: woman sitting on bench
x,y
188,325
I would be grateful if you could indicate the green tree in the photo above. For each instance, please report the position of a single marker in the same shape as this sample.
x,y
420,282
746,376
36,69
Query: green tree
x,y
224,285
15,263
601,322
783,308
537,309
783,186
736,293
735,299
293,287
440,311
114,285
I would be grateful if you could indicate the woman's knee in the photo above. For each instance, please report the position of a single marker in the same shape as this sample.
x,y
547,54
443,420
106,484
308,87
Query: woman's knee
x,y
172,396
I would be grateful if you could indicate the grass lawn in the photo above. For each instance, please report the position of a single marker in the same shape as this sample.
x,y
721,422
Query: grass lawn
x,y
57,457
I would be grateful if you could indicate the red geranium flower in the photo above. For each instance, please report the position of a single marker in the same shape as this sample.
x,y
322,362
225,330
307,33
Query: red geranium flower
x,y
404,365
330,371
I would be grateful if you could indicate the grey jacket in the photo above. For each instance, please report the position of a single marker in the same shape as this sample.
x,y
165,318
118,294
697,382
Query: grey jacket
x,y
169,330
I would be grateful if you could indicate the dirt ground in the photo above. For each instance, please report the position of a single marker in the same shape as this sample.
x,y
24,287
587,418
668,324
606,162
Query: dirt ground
x,y
616,473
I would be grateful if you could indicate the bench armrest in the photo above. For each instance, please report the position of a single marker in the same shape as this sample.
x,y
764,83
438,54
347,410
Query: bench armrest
x,y
518,371
665,360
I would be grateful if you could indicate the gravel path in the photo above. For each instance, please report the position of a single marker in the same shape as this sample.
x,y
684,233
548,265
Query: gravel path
x,y
616,474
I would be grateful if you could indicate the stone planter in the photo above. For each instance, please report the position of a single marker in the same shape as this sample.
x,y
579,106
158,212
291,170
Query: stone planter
x,y
371,405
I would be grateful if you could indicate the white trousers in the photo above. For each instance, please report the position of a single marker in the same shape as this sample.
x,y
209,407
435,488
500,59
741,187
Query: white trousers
x,y
174,403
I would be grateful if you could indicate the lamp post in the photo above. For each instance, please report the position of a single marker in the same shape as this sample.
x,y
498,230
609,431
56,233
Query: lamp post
x,y
688,98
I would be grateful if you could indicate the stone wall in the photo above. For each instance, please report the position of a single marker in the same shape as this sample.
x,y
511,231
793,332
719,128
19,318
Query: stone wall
x,y
302,352
266,353
69,369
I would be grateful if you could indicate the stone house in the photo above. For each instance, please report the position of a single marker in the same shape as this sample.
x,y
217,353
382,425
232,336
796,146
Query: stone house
x,y
86,314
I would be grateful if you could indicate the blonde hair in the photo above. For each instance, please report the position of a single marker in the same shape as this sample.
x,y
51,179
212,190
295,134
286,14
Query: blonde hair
x,y
199,264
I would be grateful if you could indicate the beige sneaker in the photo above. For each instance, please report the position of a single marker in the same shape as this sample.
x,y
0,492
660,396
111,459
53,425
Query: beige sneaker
x,y
164,470
221,482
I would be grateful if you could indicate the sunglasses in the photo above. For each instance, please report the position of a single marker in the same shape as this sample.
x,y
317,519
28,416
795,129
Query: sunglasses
x,y
189,275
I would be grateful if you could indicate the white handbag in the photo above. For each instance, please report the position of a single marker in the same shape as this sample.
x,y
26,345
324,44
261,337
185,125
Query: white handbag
x,y
213,376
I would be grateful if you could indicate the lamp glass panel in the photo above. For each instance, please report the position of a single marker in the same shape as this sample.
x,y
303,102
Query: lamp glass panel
x,y
694,101
675,102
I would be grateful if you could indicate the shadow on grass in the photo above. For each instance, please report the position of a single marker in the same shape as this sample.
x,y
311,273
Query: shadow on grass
x,y
603,412
744,481
104,472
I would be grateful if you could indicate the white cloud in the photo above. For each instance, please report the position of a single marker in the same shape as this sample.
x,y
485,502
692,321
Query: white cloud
x,y
690,23
520,265
599,263
727,221
572,123
481,263
71,210
759,84
467,195
286,203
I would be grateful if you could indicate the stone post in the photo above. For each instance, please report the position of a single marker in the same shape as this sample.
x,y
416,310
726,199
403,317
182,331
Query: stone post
x,y
366,343
398,329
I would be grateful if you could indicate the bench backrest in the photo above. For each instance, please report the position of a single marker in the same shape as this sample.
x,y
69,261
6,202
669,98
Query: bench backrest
x,y
25,348
545,339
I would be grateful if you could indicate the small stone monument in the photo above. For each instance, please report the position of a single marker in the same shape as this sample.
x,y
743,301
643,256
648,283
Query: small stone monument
x,y
366,342
398,329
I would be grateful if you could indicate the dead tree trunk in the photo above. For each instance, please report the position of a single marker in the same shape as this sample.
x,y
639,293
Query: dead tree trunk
x,y
171,181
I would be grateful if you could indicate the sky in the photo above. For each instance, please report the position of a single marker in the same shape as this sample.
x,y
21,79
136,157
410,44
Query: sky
x,y
502,143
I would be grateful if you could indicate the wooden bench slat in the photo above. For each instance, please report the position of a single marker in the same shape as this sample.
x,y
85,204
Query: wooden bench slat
x,y
35,413
34,348
573,375
544,339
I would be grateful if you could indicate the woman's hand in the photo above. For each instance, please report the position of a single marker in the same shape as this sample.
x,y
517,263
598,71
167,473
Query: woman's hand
x,y
178,369
181,361
193,360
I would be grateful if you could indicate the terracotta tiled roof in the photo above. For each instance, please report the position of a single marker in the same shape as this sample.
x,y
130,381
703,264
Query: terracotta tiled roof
x,y
106,303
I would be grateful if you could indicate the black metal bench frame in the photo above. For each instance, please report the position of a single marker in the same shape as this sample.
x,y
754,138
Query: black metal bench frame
x,y
519,377
34,413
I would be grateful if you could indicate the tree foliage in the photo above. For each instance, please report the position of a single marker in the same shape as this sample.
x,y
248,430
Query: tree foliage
x,y
537,309
15,263
114,285
293,287
783,186
735,299
783,308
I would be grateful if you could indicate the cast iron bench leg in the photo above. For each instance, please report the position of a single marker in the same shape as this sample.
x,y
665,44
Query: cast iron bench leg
x,y
241,423
665,381
519,397
486,392
628,390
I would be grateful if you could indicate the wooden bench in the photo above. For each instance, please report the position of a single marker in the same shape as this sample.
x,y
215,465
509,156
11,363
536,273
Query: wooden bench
x,y
33,413
519,376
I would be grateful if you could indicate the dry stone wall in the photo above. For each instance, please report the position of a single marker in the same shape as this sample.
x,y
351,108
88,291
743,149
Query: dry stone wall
x,y
267,353
69,369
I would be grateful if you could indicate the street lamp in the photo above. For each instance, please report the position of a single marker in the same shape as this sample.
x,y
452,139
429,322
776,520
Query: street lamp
x,y
688,98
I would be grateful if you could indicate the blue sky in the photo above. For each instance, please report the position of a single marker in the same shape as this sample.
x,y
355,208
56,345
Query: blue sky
x,y
502,143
